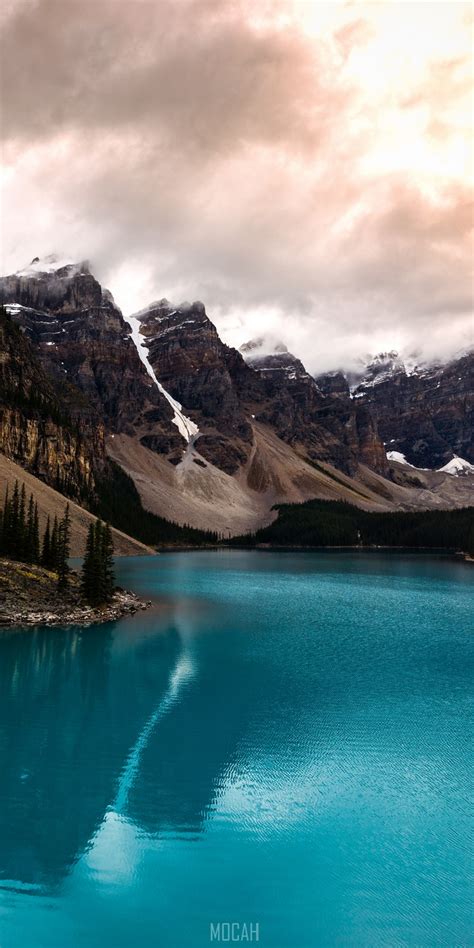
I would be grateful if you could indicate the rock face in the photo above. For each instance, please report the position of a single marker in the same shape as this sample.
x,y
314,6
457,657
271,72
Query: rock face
x,y
425,413
322,422
44,424
82,339
204,375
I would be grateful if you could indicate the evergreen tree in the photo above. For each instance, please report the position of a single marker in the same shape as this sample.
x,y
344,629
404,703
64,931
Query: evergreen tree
x,y
89,567
22,545
107,563
35,536
64,543
46,548
14,522
54,545
28,545
97,578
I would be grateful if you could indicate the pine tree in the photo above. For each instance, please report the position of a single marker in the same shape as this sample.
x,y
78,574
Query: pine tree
x,y
14,540
89,567
28,544
97,578
35,536
107,563
46,548
64,543
22,544
54,545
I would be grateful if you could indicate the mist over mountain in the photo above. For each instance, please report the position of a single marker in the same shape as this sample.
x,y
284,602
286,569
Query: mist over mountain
x,y
211,436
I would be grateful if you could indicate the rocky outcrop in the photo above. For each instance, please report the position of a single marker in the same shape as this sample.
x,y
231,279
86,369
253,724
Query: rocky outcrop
x,y
425,413
334,384
204,375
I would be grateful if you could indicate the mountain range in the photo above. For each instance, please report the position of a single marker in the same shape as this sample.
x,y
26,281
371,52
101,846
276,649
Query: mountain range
x,y
211,436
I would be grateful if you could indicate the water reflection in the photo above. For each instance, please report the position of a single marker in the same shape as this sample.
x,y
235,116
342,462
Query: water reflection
x,y
105,728
72,705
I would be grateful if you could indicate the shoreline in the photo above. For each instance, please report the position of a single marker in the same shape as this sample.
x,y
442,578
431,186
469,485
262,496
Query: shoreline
x,y
269,547
123,604
29,596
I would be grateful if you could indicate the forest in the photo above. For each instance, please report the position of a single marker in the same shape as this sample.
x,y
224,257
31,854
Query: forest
x,y
336,523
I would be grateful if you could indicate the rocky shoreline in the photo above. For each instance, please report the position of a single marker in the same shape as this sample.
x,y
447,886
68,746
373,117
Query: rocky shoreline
x,y
29,596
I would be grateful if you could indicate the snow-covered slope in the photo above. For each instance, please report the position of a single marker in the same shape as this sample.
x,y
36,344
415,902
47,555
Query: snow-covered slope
x,y
457,466
185,426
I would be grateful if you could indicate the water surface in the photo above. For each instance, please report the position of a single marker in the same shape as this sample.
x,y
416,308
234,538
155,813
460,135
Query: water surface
x,y
284,740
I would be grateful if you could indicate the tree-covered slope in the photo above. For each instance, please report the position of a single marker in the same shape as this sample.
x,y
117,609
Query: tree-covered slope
x,y
335,523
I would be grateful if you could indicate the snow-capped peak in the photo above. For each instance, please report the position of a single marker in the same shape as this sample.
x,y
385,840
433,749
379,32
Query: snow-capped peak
x,y
50,264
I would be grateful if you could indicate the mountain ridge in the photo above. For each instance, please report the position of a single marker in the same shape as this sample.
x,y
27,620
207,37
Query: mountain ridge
x,y
209,437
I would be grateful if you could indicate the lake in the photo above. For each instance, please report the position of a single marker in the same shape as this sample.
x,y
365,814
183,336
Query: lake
x,y
283,741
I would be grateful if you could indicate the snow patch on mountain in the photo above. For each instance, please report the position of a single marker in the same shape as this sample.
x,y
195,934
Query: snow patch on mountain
x,y
185,426
457,466
399,457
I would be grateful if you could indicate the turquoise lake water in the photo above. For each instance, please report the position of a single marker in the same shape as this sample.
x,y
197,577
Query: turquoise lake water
x,y
284,741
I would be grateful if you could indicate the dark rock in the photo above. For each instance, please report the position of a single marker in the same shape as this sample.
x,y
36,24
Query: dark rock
x,y
325,425
426,414
204,375
83,342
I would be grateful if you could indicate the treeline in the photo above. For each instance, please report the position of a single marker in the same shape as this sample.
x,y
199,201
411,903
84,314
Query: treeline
x,y
336,523
20,540
20,535
118,502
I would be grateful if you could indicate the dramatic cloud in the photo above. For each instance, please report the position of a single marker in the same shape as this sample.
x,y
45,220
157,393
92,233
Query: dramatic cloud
x,y
303,168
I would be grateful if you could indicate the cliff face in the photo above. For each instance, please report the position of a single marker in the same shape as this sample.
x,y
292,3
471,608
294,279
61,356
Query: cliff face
x,y
81,337
427,414
204,375
64,446
323,422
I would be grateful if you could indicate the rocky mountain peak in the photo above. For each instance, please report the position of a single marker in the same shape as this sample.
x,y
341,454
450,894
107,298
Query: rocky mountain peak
x,y
202,374
273,357
380,368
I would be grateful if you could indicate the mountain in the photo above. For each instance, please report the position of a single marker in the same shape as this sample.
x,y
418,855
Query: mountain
x,y
81,337
154,412
425,412
46,424
203,374
323,423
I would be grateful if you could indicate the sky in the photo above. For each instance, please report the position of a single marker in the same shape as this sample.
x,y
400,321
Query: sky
x,y
303,168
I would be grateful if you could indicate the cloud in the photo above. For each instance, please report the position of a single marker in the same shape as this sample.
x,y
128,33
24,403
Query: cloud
x,y
195,149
